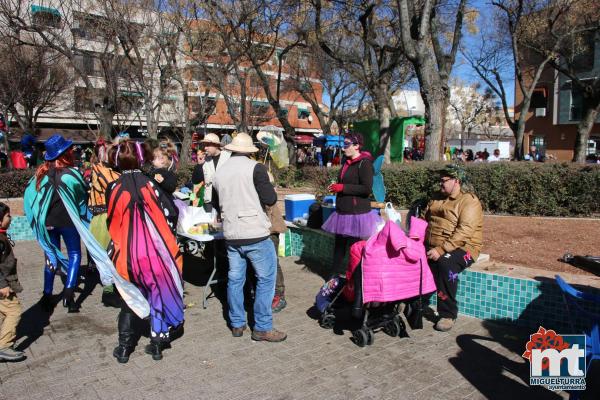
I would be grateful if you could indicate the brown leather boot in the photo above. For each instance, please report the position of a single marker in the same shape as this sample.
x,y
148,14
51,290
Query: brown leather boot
x,y
238,332
269,336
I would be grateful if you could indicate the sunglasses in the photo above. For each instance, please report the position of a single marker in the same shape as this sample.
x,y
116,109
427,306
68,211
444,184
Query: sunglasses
x,y
444,180
348,144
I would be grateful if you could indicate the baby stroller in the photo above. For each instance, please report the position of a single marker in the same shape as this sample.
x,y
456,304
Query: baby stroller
x,y
389,268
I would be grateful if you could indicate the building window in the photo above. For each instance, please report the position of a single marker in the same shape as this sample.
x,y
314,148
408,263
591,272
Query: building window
x,y
45,16
303,113
210,105
576,109
539,98
130,102
260,108
538,142
283,112
85,101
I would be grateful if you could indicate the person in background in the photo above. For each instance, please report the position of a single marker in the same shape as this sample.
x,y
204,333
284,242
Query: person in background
x,y
277,226
197,195
163,165
470,156
57,188
244,190
453,239
144,250
535,154
101,177
352,219
10,306
495,156
214,160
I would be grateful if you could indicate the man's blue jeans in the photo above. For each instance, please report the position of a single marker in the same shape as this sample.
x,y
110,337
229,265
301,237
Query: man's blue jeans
x,y
263,258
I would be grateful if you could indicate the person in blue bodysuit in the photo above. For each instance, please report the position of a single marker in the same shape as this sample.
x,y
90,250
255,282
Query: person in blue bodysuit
x,y
56,186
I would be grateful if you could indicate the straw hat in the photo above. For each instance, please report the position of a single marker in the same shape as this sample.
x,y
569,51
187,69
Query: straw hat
x,y
242,143
211,138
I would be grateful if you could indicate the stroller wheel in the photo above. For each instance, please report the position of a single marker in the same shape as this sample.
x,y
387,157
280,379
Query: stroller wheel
x,y
327,321
392,328
370,337
360,337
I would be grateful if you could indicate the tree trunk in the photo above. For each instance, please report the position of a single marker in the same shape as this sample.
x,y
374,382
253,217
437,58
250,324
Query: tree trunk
x,y
105,118
584,127
434,115
519,153
384,115
435,97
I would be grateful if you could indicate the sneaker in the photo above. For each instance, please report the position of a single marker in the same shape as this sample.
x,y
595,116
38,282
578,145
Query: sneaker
x,y
278,304
10,354
444,324
269,336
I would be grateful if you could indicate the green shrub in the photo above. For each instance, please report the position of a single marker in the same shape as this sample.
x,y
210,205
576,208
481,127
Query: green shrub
x,y
13,182
518,188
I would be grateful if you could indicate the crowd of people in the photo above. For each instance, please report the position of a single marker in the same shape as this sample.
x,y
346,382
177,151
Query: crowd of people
x,y
132,239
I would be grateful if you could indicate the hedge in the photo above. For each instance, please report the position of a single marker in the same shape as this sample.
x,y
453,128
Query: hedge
x,y
518,188
12,183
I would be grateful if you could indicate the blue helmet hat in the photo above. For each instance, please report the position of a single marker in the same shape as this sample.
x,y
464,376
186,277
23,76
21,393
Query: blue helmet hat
x,y
55,146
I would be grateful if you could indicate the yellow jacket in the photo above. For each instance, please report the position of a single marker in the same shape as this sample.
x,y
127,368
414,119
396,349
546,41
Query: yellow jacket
x,y
455,223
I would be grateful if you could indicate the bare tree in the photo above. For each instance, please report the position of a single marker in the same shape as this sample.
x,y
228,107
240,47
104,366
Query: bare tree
x,y
32,82
431,32
361,36
88,40
315,66
508,48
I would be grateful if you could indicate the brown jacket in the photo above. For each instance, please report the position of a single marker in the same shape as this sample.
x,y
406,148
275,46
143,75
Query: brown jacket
x,y
277,221
8,266
455,223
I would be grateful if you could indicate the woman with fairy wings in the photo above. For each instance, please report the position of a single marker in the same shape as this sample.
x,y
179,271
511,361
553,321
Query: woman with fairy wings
x,y
144,250
57,189
101,176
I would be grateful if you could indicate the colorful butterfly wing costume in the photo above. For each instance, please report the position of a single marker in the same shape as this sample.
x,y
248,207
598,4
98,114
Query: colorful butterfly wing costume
x,y
72,190
144,249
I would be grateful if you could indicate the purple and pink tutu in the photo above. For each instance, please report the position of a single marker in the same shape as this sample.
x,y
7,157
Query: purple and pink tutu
x,y
361,226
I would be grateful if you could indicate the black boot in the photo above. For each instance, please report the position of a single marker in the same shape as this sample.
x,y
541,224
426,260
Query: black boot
x,y
155,350
46,302
121,353
127,335
69,300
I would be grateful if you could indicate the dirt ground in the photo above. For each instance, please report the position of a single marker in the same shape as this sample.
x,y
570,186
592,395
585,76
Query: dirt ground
x,y
539,242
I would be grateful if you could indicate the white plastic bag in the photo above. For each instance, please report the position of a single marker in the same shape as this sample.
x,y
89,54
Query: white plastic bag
x,y
392,214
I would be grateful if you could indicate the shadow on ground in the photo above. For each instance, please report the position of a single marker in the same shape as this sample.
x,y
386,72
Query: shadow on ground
x,y
487,370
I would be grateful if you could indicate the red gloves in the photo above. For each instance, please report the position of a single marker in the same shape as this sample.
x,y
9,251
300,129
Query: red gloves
x,y
336,187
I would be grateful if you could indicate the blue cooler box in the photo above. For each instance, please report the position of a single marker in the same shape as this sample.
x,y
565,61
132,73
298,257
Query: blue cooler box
x,y
297,205
328,209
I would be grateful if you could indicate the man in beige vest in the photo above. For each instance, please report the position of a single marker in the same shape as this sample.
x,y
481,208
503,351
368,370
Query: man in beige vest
x,y
244,190
214,160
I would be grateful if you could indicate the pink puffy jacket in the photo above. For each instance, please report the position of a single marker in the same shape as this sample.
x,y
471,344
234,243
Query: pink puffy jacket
x,y
391,264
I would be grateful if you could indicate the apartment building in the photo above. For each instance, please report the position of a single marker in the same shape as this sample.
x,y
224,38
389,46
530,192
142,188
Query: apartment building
x,y
104,64
556,109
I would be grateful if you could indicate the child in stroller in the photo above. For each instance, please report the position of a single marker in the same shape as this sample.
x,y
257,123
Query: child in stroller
x,y
383,271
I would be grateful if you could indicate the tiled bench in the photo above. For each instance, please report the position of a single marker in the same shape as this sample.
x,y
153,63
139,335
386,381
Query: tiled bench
x,y
525,302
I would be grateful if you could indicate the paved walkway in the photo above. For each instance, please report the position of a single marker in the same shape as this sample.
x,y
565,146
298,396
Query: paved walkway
x,y
70,356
